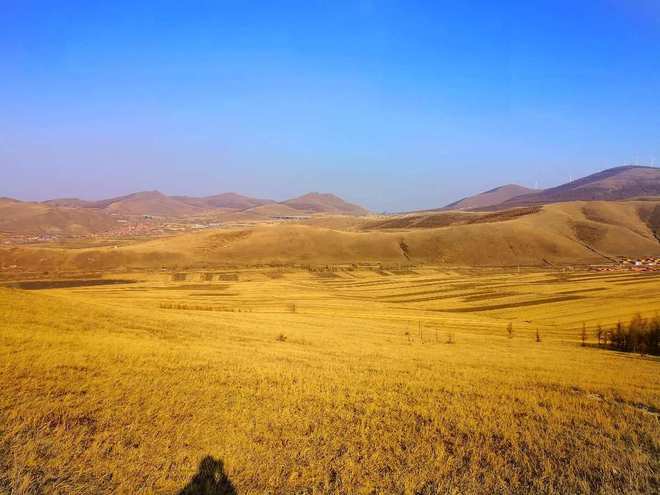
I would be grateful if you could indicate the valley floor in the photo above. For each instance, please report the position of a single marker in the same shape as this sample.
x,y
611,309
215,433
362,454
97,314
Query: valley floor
x,y
358,381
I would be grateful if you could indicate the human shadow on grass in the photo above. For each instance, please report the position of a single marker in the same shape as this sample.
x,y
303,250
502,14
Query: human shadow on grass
x,y
209,480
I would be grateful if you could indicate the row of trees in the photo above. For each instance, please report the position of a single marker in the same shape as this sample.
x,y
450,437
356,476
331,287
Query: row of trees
x,y
639,335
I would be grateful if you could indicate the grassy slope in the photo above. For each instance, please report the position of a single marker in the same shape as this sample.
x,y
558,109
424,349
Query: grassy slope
x,y
105,392
39,218
563,233
490,198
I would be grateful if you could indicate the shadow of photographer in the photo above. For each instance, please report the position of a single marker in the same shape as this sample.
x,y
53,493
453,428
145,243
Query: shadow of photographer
x,y
209,480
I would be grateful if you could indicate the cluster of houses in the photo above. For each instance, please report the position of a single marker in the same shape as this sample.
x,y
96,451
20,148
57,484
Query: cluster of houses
x,y
143,227
649,262
13,238
645,264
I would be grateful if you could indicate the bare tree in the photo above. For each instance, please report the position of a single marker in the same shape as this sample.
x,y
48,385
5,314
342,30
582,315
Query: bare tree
x,y
599,334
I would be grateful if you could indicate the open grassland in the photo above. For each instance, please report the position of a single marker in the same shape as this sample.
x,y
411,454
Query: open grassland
x,y
330,382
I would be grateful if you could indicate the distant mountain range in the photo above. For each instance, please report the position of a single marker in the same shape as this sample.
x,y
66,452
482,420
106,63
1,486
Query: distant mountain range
x,y
617,183
155,203
71,216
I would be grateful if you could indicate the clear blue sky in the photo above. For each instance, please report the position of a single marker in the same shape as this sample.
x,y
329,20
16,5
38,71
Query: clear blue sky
x,y
395,105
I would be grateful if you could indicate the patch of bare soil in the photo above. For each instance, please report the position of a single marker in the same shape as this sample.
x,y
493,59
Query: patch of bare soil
x,y
64,284
436,220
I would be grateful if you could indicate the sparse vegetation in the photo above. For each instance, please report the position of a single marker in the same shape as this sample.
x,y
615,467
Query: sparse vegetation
x,y
641,335
334,399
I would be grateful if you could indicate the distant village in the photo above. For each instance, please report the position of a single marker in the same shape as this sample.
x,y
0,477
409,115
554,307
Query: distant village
x,y
645,264
142,227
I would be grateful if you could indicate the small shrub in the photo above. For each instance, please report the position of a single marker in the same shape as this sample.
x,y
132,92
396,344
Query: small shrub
x,y
281,338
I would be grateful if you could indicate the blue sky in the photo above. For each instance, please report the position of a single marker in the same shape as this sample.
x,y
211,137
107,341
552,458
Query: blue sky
x,y
395,105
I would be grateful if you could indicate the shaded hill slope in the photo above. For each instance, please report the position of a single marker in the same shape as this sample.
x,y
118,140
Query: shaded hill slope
x,y
155,203
426,220
324,203
612,184
148,203
230,200
490,198
17,217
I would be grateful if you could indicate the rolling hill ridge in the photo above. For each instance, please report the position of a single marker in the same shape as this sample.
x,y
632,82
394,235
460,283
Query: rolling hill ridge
x,y
618,183
490,198
324,203
72,216
562,233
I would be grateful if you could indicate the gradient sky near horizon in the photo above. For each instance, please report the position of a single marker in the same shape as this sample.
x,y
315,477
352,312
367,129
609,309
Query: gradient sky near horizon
x,y
392,104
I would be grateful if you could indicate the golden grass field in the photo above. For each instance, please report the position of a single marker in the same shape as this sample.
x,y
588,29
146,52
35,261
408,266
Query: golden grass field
x,y
329,382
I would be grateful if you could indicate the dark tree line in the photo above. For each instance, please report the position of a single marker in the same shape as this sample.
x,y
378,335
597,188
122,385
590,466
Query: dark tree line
x,y
640,335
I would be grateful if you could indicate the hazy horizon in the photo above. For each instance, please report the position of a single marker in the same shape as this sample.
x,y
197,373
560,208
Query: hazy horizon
x,y
282,198
392,105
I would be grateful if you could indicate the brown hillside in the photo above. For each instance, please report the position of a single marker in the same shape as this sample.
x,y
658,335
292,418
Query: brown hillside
x,y
70,203
228,200
575,232
274,209
148,203
490,198
324,203
428,220
17,217
612,184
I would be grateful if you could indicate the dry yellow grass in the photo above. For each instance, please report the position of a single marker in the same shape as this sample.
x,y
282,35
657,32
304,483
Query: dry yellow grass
x,y
121,389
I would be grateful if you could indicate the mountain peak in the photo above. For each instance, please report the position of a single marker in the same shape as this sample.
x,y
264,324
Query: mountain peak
x,y
625,182
316,202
